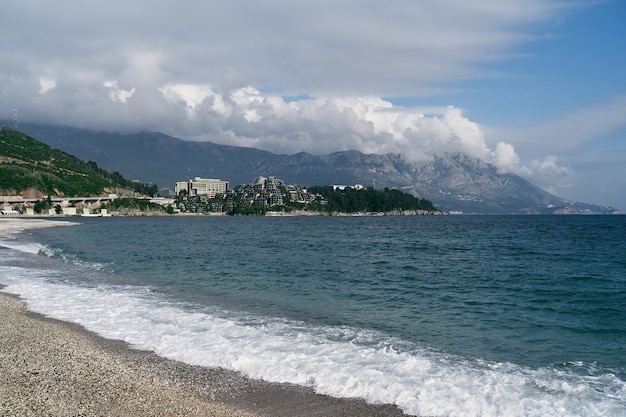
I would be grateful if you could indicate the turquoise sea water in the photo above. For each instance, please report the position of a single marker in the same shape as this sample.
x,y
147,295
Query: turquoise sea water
x,y
453,315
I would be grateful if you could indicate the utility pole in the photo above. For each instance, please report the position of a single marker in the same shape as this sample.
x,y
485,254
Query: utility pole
x,y
15,117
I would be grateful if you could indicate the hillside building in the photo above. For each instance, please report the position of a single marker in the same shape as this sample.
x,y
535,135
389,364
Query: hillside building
x,y
208,187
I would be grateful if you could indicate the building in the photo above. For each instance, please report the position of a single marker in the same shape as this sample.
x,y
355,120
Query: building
x,y
208,187
343,187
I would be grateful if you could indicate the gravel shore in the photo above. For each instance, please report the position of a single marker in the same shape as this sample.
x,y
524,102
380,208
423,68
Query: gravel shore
x,y
53,368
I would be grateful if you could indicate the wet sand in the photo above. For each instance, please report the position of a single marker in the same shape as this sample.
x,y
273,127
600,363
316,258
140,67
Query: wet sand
x,y
53,368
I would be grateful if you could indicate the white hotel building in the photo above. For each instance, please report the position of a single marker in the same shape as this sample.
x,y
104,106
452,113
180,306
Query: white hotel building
x,y
202,186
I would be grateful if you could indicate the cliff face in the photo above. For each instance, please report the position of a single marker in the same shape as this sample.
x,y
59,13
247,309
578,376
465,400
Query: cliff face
x,y
453,182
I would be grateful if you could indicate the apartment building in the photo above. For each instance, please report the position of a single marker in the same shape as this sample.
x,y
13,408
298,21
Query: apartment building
x,y
209,187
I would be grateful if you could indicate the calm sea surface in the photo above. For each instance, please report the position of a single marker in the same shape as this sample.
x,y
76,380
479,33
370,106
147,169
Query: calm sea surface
x,y
442,316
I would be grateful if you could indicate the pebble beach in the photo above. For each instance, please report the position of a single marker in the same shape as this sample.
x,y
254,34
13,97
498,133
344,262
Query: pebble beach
x,y
53,368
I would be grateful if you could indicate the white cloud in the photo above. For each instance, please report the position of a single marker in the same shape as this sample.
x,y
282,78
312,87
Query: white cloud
x,y
544,172
118,94
320,47
506,159
46,84
547,174
247,117
144,50
191,95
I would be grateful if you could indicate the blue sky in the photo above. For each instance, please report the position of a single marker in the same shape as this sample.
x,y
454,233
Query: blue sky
x,y
573,63
536,87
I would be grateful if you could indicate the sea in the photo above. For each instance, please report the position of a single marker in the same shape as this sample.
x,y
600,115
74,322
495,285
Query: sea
x,y
439,315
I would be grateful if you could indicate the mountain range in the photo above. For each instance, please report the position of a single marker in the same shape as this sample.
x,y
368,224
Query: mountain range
x,y
453,182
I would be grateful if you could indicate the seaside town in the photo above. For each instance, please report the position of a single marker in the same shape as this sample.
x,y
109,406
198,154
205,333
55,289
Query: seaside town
x,y
197,196
206,195
267,196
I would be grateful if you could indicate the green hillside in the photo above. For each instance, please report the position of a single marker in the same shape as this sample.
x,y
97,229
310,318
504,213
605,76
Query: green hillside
x,y
349,200
27,164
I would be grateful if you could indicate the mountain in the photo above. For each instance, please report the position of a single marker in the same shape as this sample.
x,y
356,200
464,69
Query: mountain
x,y
34,170
453,182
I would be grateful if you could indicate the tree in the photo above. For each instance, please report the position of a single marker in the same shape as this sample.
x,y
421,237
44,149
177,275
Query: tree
x,y
41,205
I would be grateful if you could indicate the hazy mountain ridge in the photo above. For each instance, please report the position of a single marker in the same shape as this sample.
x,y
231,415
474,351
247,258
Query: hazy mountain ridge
x,y
453,182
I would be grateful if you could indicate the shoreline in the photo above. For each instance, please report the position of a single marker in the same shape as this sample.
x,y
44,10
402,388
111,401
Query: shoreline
x,y
21,223
52,367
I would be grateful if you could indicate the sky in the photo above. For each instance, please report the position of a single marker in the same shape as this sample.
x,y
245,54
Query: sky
x,y
536,87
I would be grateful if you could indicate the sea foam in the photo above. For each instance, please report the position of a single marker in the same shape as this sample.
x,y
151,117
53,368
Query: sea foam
x,y
337,361
10,242
33,248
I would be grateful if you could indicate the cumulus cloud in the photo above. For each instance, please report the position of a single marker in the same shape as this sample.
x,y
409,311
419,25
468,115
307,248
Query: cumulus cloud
x,y
544,172
247,117
505,158
46,84
190,96
118,94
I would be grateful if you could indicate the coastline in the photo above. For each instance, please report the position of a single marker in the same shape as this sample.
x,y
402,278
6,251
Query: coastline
x,y
51,367
19,223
